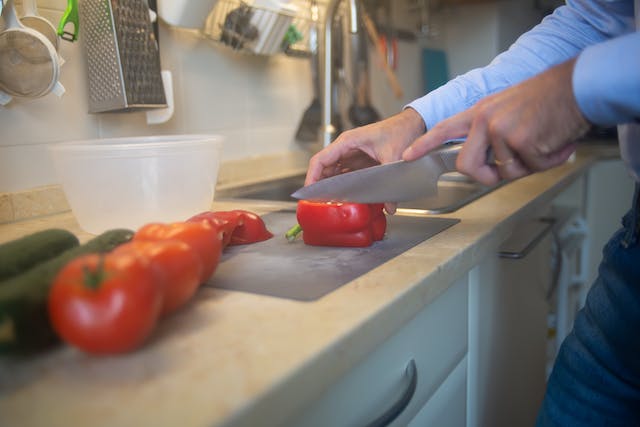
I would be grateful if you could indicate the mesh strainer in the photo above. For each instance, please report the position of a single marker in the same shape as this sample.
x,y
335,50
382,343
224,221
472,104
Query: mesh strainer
x,y
29,64
32,19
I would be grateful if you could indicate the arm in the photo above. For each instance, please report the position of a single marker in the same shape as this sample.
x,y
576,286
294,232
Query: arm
x,y
559,37
532,124
606,81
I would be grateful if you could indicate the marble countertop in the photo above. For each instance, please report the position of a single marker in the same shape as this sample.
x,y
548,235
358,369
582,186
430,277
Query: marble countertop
x,y
232,358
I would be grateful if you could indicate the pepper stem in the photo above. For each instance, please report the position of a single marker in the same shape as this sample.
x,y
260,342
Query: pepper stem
x,y
293,232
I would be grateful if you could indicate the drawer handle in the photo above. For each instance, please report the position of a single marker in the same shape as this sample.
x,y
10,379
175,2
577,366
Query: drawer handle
x,y
401,404
532,235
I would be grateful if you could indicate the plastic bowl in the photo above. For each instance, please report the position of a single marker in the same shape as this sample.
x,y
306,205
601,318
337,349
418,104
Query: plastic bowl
x,y
128,182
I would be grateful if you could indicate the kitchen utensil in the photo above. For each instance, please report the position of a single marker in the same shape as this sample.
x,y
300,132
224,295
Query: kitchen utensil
x,y
127,182
360,112
32,19
281,269
185,13
389,73
123,58
312,116
70,16
272,18
391,182
29,64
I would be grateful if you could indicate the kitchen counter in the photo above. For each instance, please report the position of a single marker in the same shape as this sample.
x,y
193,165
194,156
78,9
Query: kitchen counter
x,y
232,358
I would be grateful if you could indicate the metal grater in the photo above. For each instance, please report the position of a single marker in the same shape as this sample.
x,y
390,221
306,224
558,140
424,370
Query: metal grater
x,y
123,59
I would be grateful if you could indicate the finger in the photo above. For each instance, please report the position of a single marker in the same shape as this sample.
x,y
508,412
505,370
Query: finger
x,y
451,128
324,162
472,160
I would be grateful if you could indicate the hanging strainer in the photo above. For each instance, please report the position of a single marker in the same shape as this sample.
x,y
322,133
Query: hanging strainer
x,y
29,64
32,19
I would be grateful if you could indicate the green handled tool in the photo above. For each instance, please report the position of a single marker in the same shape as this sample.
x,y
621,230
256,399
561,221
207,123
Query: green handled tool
x,y
70,15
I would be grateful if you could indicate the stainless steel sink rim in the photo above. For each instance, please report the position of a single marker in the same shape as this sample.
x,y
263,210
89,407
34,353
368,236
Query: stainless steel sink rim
x,y
454,191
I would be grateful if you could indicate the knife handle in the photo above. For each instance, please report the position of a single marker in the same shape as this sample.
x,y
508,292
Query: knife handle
x,y
449,154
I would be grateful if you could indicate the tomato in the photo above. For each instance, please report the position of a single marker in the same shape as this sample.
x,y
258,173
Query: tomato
x,y
205,240
247,227
177,267
105,304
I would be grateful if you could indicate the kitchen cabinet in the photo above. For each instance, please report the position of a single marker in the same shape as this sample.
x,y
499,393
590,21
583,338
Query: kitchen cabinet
x,y
446,408
386,386
508,329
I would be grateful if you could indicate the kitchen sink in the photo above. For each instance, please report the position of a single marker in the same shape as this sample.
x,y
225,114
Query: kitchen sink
x,y
454,191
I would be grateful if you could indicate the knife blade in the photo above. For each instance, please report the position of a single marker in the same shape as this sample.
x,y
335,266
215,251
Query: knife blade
x,y
397,181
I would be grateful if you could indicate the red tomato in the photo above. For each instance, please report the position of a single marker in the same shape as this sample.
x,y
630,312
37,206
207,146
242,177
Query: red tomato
x,y
178,268
247,227
105,303
205,240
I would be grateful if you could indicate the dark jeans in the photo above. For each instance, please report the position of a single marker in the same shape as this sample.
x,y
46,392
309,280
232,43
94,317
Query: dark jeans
x,y
596,378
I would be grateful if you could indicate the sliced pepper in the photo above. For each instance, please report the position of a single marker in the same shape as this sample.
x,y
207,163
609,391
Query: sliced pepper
x,y
340,224
239,227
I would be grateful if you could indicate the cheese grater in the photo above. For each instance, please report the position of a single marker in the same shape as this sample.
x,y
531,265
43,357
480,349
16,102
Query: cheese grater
x,y
122,56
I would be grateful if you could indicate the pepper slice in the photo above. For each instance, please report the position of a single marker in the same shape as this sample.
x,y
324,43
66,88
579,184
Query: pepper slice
x,y
340,224
239,227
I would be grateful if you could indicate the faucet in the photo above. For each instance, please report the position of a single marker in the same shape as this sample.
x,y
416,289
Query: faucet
x,y
327,128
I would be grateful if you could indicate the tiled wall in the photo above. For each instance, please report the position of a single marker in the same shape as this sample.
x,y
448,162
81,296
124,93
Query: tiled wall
x,y
254,102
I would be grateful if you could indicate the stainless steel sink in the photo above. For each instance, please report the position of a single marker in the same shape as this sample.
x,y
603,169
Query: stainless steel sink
x,y
454,191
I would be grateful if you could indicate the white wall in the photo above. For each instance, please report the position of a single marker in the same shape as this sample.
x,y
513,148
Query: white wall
x,y
254,102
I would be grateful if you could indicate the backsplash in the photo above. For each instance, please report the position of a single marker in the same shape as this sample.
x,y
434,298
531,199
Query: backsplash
x,y
255,102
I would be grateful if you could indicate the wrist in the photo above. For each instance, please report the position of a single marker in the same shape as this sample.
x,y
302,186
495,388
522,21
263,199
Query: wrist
x,y
412,122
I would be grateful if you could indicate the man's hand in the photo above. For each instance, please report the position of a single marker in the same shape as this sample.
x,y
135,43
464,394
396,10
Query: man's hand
x,y
531,127
380,142
377,143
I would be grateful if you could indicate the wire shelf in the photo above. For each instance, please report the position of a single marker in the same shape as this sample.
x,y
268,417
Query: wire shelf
x,y
248,27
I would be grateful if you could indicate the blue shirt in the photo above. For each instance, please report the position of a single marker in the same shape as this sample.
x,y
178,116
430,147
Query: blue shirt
x,y
606,79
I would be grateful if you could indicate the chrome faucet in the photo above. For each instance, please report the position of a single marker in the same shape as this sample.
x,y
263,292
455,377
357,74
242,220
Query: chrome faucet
x,y
328,129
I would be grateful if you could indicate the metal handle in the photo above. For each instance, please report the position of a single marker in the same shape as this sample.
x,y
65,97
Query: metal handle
x,y
450,150
401,404
449,153
541,228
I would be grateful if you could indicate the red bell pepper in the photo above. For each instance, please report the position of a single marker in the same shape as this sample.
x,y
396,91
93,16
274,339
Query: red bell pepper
x,y
239,227
339,224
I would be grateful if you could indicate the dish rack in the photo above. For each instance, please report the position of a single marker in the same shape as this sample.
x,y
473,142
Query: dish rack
x,y
263,27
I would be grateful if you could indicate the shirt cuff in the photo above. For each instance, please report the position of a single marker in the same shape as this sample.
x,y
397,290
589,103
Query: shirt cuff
x,y
606,83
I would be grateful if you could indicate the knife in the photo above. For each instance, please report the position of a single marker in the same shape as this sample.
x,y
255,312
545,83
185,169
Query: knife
x,y
397,181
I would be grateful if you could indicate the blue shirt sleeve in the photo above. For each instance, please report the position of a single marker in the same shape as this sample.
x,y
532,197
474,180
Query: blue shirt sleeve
x,y
559,37
606,81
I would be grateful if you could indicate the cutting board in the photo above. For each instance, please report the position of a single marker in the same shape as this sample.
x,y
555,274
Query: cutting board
x,y
297,271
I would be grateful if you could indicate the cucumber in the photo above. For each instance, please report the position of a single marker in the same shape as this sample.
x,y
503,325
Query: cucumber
x,y
24,320
21,254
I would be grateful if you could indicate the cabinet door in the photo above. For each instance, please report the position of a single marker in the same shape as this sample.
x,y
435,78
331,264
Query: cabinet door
x,y
435,341
447,407
507,337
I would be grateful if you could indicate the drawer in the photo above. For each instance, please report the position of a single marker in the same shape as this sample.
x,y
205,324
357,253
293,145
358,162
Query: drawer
x,y
434,343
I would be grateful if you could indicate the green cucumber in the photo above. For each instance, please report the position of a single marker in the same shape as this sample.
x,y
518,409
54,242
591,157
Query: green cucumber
x,y
21,254
24,320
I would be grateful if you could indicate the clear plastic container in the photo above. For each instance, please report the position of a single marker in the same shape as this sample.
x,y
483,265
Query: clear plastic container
x,y
128,182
